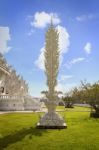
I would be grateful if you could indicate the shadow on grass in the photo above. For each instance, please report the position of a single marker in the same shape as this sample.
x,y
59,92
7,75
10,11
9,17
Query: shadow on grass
x,y
19,135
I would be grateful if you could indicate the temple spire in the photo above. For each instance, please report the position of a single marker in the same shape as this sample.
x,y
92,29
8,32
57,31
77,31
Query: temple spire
x,y
51,20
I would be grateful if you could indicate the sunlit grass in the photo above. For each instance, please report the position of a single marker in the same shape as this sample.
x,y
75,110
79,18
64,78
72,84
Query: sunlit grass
x,y
18,132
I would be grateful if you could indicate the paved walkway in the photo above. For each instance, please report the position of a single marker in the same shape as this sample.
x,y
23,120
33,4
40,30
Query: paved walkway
x,y
43,110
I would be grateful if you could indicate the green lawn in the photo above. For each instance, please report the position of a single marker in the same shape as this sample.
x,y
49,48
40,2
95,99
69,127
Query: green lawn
x,y
18,132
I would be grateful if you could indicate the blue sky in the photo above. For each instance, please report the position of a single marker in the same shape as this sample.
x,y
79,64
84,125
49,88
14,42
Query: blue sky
x,y
23,24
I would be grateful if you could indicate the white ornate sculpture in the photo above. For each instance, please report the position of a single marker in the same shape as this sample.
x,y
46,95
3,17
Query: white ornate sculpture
x,y
51,119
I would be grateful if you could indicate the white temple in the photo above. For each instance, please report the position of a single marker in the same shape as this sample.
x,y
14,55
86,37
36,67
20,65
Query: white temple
x,y
14,91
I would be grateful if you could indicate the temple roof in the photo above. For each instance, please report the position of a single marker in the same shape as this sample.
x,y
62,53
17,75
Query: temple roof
x,y
4,70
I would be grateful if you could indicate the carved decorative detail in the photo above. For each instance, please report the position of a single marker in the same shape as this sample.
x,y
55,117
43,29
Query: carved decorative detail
x,y
51,118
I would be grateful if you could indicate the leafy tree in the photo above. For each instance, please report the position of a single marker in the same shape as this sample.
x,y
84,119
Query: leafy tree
x,y
68,99
89,93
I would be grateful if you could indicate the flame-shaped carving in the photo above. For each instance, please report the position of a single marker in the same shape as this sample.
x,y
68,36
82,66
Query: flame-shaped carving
x,y
51,60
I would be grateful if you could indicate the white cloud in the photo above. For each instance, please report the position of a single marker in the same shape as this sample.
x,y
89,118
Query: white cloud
x,y
81,18
40,61
85,17
60,87
88,47
64,43
4,38
74,61
65,87
65,77
42,19
31,32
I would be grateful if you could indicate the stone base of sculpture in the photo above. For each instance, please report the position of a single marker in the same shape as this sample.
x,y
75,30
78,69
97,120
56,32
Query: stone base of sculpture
x,y
51,120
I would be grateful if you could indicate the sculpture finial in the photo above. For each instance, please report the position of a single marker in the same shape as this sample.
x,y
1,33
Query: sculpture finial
x,y
51,20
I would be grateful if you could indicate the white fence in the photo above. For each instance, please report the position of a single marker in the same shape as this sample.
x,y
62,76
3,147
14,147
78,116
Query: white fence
x,y
17,103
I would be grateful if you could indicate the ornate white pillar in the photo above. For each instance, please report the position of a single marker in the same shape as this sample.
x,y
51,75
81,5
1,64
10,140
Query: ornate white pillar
x,y
51,119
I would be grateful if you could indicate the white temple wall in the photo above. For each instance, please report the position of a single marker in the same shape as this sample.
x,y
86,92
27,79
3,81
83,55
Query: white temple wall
x,y
8,103
17,103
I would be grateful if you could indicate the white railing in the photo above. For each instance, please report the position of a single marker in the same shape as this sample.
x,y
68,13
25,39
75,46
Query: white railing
x,y
16,102
9,97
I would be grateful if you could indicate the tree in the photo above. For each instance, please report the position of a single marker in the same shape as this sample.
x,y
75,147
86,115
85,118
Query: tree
x,y
68,99
91,96
89,93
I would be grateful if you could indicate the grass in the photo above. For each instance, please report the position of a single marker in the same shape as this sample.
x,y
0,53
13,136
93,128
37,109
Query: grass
x,y
18,132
